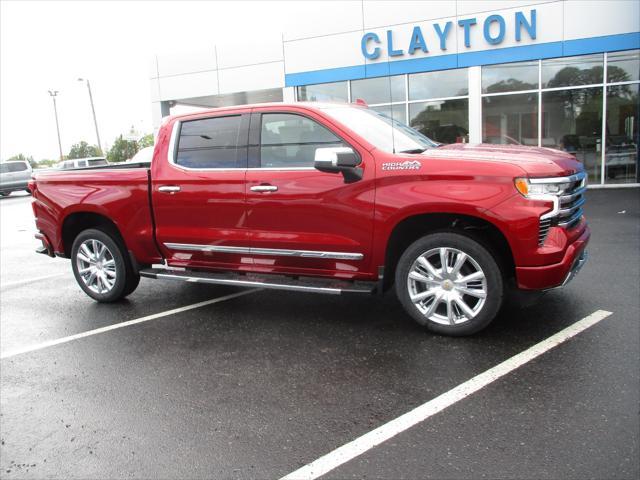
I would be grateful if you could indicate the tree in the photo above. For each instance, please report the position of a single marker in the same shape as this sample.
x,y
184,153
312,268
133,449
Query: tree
x,y
84,150
23,158
146,141
45,163
122,149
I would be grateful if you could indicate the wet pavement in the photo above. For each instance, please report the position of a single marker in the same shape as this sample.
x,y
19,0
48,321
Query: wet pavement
x,y
259,385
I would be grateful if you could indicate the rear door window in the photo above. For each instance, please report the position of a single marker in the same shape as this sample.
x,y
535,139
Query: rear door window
x,y
209,143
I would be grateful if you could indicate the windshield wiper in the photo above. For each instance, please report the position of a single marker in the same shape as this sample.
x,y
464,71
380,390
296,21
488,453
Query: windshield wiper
x,y
413,150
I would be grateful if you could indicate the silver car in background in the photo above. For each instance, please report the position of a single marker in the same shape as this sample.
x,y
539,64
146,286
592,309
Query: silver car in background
x,y
14,176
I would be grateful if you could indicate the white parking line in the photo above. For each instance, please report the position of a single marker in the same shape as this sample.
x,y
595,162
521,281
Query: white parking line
x,y
360,445
30,280
128,323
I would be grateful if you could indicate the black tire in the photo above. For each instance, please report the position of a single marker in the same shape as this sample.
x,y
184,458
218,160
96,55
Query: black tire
x,y
4,194
126,279
132,283
493,288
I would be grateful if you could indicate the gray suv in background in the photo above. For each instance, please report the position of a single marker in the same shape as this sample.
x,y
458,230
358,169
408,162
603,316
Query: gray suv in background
x,y
14,176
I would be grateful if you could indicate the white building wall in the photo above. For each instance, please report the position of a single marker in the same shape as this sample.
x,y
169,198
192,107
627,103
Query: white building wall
x,y
327,35
251,77
585,18
556,21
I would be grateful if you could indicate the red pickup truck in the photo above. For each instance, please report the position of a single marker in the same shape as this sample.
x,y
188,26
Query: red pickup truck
x,y
323,198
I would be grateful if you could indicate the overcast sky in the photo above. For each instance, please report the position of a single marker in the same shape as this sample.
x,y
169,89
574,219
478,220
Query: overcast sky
x,y
48,45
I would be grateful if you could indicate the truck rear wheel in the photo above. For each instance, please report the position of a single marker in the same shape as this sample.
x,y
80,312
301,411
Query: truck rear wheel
x,y
102,266
449,283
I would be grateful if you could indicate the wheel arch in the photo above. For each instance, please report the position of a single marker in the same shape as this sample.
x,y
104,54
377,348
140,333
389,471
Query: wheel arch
x,y
413,227
76,222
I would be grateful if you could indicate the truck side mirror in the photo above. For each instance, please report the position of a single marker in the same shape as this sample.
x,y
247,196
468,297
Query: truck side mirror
x,y
339,160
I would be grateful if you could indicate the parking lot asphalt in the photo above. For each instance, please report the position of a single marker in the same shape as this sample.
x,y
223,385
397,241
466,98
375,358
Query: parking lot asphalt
x,y
259,385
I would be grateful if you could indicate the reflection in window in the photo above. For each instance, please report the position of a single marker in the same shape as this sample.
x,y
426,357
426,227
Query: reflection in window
x,y
572,121
570,71
623,66
441,84
510,77
290,141
445,121
621,156
510,119
209,143
324,92
397,112
378,90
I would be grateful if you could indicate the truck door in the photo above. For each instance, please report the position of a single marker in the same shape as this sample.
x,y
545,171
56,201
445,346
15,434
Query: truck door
x,y
300,220
198,192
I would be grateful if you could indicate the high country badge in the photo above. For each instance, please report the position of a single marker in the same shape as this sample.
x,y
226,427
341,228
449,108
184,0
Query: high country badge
x,y
407,165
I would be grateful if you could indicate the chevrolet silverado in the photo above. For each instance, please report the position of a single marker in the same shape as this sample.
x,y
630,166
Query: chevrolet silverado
x,y
323,198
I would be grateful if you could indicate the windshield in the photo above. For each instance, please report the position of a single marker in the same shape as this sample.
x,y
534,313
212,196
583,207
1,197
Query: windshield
x,y
380,130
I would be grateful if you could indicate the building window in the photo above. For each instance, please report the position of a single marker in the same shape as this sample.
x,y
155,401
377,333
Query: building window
x,y
441,84
623,66
571,101
445,121
379,90
572,121
209,143
324,92
510,119
557,103
439,106
623,140
510,77
572,71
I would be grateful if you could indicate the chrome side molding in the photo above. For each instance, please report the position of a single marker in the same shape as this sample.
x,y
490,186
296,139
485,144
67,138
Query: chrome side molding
x,y
189,247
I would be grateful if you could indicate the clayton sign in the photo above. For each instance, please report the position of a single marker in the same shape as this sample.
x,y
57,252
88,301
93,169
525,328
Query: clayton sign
x,y
494,29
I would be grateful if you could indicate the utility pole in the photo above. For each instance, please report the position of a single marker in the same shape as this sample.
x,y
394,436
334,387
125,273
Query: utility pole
x,y
93,110
54,94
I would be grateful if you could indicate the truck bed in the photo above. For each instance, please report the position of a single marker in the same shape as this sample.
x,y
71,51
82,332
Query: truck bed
x,y
118,194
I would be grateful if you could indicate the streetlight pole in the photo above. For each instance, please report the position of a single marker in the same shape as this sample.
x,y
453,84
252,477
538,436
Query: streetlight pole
x,y
93,110
53,94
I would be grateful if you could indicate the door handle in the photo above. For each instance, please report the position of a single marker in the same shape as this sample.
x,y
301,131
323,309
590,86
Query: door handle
x,y
169,188
264,188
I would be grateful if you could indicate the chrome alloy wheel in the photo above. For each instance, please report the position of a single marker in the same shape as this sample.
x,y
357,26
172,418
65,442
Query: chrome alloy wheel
x,y
96,266
447,286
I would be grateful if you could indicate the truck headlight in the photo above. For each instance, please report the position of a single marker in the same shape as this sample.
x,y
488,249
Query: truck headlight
x,y
540,186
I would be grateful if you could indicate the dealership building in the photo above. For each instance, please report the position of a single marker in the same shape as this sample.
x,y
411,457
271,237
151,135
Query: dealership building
x,y
558,74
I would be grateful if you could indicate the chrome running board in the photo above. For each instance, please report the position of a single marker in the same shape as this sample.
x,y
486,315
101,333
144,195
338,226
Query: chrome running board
x,y
277,282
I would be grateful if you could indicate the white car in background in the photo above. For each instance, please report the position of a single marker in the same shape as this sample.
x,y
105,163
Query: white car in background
x,y
82,163
143,156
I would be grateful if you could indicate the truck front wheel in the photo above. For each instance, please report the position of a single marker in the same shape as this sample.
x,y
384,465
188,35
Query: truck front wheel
x,y
102,267
449,283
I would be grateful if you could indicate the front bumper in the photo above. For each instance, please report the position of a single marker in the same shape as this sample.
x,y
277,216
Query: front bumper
x,y
558,274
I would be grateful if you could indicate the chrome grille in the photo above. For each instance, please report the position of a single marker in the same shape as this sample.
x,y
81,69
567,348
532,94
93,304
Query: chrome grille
x,y
571,204
569,208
